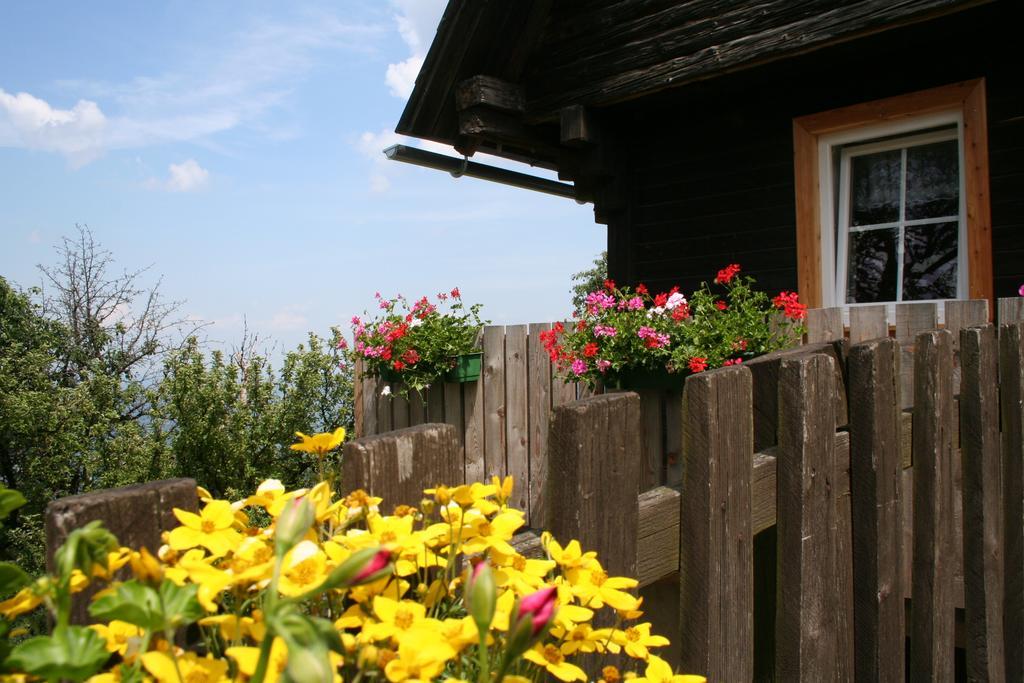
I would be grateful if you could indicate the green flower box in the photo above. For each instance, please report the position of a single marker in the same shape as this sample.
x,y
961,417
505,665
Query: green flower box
x,y
643,378
467,368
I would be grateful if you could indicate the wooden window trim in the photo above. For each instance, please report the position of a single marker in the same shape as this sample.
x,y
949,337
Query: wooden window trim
x,y
967,98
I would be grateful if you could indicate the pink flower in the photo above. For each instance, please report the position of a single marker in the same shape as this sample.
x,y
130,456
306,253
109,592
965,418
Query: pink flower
x,y
599,301
579,366
654,339
375,564
1020,290
603,365
539,606
456,294
604,331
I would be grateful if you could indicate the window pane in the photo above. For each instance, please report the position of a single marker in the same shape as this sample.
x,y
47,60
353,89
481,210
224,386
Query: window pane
x,y
872,269
933,180
875,188
930,261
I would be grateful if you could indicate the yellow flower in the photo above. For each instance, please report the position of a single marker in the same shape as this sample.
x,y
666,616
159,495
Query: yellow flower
x,y
459,632
636,639
572,559
552,659
598,589
211,581
145,567
658,671
304,568
211,528
495,533
21,602
582,638
248,657
233,628
194,669
120,636
319,444
503,488
396,617
421,657
523,575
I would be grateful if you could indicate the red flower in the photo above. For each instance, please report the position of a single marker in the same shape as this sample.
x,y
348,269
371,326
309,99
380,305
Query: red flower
x,y
661,300
411,356
733,361
641,288
581,325
674,290
385,354
790,304
609,284
590,350
398,365
725,275
721,305
698,364
456,294
681,312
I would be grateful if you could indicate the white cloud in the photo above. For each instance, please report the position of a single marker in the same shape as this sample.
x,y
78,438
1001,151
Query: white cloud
x,y
289,320
184,177
29,122
239,82
417,23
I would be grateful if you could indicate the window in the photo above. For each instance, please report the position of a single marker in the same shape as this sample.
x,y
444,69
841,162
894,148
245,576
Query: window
x,y
892,199
899,219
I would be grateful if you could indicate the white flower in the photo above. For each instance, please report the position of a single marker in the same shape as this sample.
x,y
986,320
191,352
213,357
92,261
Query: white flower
x,y
386,391
657,310
415,322
675,300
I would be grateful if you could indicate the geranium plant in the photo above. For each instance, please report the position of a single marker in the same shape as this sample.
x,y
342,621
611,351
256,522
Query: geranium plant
x,y
302,586
622,330
415,346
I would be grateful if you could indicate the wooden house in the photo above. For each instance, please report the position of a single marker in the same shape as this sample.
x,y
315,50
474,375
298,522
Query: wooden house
x,y
855,150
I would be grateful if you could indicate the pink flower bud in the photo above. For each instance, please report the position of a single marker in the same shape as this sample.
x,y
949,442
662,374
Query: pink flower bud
x,y
540,606
376,563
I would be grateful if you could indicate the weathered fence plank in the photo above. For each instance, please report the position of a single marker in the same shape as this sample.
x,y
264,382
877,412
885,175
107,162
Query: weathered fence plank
x,y
716,568
824,325
673,402
371,397
911,319
517,454
591,473
868,322
399,412
473,417
540,416
1011,399
807,626
417,408
932,625
435,403
982,504
652,415
493,373
961,315
1011,310
136,515
876,470
397,466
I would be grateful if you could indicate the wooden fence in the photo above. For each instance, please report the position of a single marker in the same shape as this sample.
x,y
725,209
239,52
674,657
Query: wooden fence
x,y
823,526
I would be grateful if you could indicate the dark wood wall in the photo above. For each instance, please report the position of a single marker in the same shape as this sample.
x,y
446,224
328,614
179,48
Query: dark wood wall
x,y
709,166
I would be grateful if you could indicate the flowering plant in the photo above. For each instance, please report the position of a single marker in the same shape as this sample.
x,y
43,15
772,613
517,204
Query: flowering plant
x,y
622,329
317,589
419,344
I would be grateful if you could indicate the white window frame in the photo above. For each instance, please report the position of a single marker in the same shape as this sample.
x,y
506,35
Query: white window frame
x,y
833,255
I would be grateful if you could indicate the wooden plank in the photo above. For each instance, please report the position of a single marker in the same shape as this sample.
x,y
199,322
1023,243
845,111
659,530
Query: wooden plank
x,y
876,469
473,418
1011,402
1011,310
762,491
963,314
652,417
417,409
384,423
589,445
517,426
982,504
868,322
911,319
435,403
399,412
397,466
371,396
932,626
539,422
562,392
673,401
976,194
357,397
657,534
806,620
716,569
136,515
824,325
489,92
493,372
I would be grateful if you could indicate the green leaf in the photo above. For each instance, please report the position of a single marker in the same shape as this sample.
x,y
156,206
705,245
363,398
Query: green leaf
x,y
73,653
181,606
12,578
84,548
133,602
10,500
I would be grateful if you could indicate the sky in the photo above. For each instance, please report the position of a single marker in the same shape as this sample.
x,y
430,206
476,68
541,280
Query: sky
x,y
236,149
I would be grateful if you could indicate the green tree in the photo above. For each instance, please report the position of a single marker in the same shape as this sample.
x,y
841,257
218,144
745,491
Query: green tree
x,y
586,281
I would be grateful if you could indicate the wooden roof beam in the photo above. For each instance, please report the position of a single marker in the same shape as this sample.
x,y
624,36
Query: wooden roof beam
x,y
487,91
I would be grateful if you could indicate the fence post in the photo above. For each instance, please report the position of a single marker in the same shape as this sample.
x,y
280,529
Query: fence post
x,y
594,477
398,465
875,487
716,545
932,624
982,504
1011,395
808,606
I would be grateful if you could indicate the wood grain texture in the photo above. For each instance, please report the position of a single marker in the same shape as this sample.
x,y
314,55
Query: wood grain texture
x,y
963,314
357,397
976,193
982,504
868,322
763,491
807,623
417,409
397,466
876,469
493,374
716,568
473,424
540,417
824,325
652,417
657,534
589,446
911,319
1011,310
673,402
435,403
371,395
399,412
1011,403
932,626
517,425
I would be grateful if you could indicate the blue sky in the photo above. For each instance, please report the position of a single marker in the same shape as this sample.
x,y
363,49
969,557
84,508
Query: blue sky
x,y
235,147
